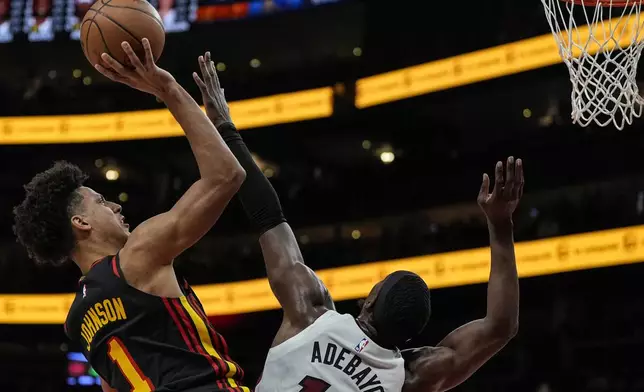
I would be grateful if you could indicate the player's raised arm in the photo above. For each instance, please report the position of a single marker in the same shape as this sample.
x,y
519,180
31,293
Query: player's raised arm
x,y
160,239
467,348
296,286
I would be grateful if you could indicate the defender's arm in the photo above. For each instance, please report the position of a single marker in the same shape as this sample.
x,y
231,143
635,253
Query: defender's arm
x,y
298,289
467,348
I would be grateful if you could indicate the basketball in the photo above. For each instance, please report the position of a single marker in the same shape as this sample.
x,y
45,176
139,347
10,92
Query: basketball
x,y
110,22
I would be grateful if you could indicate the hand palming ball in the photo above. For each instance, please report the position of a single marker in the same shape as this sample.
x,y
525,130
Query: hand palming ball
x,y
110,22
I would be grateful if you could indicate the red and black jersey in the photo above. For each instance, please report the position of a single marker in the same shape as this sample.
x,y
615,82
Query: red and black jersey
x,y
139,342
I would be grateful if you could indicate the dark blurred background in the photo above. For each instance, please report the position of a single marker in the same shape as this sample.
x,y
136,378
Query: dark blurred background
x,y
405,174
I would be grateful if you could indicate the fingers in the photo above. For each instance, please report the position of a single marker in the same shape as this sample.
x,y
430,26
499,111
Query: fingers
x,y
110,74
149,57
207,77
498,179
208,64
200,83
510,185
520,179
113,64
213,72
134,59
485,188
209,73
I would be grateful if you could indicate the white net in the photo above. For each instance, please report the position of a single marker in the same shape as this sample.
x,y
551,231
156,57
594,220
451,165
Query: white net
x,y
601,42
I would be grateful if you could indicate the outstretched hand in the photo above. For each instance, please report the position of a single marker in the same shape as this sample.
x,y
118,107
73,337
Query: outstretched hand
x,y
144,76
211,91
499,205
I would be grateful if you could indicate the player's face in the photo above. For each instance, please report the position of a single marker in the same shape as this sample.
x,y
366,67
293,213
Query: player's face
x,y
103,218
81,10
82,7
4,8
41,7
165,5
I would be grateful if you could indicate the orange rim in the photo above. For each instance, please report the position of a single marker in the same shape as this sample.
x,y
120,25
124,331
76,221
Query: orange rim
x,y
604,3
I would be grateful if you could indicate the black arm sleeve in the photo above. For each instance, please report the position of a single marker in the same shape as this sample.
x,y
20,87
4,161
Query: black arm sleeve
x,y
257,195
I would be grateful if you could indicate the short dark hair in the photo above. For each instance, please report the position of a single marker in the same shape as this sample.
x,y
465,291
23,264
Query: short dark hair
x,y
41,221
402,308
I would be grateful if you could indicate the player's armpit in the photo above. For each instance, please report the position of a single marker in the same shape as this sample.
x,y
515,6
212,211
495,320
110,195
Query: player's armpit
x,y
456,357
297,288
160,239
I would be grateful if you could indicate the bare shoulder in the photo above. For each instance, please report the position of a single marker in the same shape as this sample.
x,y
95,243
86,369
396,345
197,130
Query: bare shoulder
x,y
425,368
136,270
134,257
152,278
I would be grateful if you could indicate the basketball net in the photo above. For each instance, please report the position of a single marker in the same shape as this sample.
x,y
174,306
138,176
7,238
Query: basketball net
x,y
601,42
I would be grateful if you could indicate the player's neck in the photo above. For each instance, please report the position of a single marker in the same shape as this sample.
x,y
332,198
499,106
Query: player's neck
x,y
367,328
86,253
372,333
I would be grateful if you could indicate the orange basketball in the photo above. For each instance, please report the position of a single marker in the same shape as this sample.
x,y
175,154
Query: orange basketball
x,y
110,22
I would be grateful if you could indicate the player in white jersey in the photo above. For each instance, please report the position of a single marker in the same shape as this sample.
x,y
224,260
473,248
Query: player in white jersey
x,y
316,349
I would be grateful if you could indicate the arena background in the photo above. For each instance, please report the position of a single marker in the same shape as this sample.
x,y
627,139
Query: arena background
x,y
369,168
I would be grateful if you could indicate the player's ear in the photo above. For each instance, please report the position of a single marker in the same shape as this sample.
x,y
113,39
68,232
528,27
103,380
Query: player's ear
x,y
370,301
80,223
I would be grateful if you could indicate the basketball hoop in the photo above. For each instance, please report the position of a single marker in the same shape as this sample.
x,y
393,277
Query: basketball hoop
x,y
601,42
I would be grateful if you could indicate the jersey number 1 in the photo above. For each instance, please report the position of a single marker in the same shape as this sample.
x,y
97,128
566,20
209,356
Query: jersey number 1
x,y
129,369
313,384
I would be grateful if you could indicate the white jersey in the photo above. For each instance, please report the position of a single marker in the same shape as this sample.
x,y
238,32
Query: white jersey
x,y
332,355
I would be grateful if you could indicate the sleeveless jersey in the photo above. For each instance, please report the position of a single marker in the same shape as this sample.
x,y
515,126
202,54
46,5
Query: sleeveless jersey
x,y
334,355
139,342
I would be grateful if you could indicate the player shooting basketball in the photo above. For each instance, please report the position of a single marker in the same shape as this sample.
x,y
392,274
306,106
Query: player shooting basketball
x,y
140,327
316,348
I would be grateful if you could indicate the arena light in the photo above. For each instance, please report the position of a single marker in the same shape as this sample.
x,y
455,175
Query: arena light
x,y
112,174
159,123
270,170
534,258
387,157
460,70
